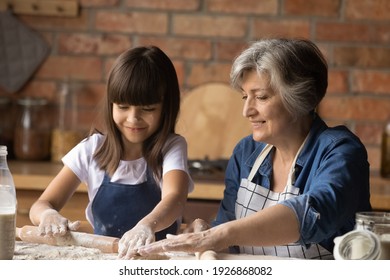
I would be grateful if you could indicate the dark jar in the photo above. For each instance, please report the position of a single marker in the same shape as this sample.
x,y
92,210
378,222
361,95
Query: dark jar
x,y
7,125
32,130
385,152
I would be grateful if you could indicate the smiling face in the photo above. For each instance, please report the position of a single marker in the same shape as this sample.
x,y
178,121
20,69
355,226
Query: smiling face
x,y
271,122
136,123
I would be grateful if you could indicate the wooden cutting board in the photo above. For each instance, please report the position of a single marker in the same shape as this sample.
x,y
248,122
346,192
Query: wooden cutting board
x,y
212,122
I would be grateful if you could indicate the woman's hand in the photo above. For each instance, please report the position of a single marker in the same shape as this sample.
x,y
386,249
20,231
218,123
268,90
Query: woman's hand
x,y
187,242
53,223
139,235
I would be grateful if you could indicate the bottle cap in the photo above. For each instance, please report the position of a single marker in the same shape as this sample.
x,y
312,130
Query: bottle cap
x,y
3,150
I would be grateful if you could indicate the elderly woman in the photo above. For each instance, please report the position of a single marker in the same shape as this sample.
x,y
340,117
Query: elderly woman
x,y
294,184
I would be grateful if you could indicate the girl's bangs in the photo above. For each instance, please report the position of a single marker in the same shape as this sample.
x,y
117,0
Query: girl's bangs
x,y
139,85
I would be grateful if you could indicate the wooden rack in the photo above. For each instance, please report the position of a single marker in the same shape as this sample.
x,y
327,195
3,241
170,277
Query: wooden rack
x,y
61,8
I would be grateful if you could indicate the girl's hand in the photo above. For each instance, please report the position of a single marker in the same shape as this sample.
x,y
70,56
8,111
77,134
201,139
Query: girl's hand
x,y
54,224
196,226
138,236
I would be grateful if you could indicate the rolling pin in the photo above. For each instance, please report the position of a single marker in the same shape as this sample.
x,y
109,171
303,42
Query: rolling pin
x,y
206,255
105,244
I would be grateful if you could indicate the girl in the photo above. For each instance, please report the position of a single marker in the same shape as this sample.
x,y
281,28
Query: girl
x,y
136,171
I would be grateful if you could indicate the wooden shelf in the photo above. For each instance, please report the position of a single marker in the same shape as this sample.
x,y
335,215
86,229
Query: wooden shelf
x,y
61,8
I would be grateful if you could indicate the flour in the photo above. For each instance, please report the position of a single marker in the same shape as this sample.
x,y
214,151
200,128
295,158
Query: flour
x,y
35,251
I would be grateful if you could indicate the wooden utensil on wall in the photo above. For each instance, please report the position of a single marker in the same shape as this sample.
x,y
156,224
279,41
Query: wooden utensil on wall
x,y
212,122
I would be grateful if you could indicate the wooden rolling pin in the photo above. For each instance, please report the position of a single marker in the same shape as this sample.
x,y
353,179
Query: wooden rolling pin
x,y
105,244
206,255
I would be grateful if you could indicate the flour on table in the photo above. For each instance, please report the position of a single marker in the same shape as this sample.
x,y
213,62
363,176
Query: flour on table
x,y
35,251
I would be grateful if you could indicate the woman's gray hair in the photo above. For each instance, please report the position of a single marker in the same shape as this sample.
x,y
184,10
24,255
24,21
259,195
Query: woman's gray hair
x,y
296,68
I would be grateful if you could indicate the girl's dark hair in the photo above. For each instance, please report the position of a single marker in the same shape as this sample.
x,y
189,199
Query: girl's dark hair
x,y
140,76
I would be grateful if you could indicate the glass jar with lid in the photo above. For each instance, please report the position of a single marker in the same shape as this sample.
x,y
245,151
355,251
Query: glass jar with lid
x,y
32,130
65,134
370,240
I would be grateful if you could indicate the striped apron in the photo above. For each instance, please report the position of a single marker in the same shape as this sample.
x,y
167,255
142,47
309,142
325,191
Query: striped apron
x,y
252,198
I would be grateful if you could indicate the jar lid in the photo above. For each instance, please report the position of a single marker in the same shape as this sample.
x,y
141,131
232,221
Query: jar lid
x,y
367,220
357,245
3,150
32,101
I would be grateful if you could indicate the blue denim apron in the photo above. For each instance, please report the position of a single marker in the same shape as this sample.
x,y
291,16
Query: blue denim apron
x,y
117,207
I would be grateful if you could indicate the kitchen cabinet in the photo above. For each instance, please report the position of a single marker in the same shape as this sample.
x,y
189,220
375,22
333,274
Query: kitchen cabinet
x,y
31,178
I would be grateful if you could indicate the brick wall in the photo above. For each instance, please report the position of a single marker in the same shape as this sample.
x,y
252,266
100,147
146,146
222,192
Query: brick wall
x,y
203,36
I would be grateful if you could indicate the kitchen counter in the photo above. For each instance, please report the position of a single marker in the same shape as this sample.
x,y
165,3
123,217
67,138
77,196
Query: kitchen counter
x,y
31,178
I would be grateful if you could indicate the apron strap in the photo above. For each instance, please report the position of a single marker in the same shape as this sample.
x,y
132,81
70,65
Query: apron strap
x,y
264,153
259,161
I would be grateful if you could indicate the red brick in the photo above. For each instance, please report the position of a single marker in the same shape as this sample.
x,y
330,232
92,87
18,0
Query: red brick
x,y
132,22
36,88
85,43
367,9
362,57
280,28
200,25
324,8
228,50
108,63
172,5
89,95
374,158
201,73
381,33
185,48
337,82
264,7
180,71
343,32
371,81
355,108
76,68
369,133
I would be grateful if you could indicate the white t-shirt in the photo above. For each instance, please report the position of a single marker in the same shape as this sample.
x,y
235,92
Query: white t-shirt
x,y
80,160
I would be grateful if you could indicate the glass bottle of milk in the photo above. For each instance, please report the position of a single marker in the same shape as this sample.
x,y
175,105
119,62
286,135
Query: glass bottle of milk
x,y
8,205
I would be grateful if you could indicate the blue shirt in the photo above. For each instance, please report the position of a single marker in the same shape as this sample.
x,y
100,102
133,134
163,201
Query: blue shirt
x,y
331,172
